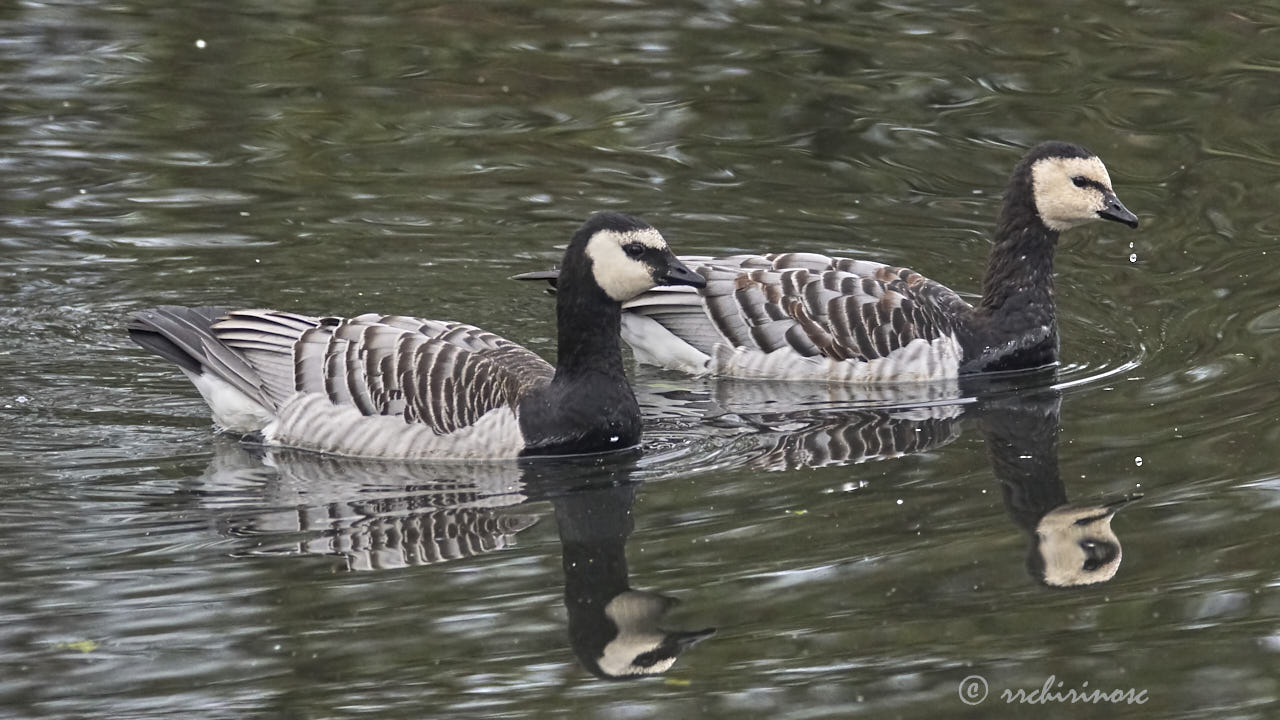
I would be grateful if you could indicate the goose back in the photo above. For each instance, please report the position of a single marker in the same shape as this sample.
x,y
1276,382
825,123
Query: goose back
x,y
799,316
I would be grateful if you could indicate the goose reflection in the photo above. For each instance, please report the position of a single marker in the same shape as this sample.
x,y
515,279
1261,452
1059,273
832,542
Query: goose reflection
x,y
615,631
378,515
373,515
1069,544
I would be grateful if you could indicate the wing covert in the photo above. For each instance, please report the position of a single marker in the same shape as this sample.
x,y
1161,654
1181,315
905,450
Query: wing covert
x,y
445,375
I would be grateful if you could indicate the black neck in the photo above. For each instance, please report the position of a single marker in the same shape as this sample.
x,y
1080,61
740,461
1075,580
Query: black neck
x,y
1019,279
1022,442
588,406
589,325
1015,325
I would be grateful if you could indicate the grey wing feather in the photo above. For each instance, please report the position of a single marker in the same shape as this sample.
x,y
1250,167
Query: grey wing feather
x,y
816,305
443,374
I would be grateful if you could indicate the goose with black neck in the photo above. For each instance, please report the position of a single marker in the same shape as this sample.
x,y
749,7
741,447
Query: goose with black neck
x,y
806,316
1056,186
400,387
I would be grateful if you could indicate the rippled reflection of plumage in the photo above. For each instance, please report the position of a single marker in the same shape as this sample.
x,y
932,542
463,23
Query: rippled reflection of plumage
x,y
788,426
379,515
374,515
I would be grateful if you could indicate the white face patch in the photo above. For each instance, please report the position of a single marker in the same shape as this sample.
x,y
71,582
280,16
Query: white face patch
x,y
622,277
1059,202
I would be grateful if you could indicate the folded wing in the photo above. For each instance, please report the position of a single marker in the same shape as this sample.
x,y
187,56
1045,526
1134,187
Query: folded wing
x,y
814,305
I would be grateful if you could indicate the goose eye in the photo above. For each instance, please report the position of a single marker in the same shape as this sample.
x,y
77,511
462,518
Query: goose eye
x,y
1079,181
633,250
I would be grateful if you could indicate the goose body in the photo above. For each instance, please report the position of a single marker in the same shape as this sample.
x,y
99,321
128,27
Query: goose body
x,y
806,316
411,388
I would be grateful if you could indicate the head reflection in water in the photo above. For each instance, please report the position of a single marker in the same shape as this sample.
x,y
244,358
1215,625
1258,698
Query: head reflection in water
x,y
638,646
616,632
1071,544
1075,545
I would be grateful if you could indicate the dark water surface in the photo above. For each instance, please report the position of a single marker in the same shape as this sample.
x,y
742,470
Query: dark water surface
x,y
404,157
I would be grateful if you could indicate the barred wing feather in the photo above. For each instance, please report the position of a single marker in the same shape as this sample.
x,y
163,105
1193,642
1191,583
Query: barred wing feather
x,y
445,375
826,309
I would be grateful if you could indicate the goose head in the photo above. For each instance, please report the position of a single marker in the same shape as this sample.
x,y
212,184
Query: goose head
x,y
626,256
1076,545
1070,187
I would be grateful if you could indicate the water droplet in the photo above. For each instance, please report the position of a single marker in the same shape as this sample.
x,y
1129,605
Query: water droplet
x,y
1133,257
200,44
613,438
899,501
1138,461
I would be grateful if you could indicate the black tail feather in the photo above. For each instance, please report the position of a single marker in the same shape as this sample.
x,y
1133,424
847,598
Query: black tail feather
x,y
176,333
551,276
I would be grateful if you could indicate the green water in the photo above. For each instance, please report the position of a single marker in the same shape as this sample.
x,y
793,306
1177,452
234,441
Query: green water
x,y
403,157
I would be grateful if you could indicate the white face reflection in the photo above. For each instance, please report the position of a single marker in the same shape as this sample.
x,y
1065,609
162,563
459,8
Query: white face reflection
x,y
1063,532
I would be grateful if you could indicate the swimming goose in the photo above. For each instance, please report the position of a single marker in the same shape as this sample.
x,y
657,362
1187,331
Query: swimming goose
x,y
403,387
805,316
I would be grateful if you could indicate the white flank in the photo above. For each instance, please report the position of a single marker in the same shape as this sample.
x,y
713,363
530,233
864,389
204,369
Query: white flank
x,y
310,422
918,361
231,409
653,344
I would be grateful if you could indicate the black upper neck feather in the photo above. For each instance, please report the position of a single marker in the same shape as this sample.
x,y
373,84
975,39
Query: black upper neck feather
x,y
1015,324
589,324
1020,266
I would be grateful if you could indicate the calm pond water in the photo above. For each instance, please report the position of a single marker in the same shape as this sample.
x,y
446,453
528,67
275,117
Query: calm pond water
x,y
853,560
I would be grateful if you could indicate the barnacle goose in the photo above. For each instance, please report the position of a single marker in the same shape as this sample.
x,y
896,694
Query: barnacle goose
x,y
408,388
805,316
